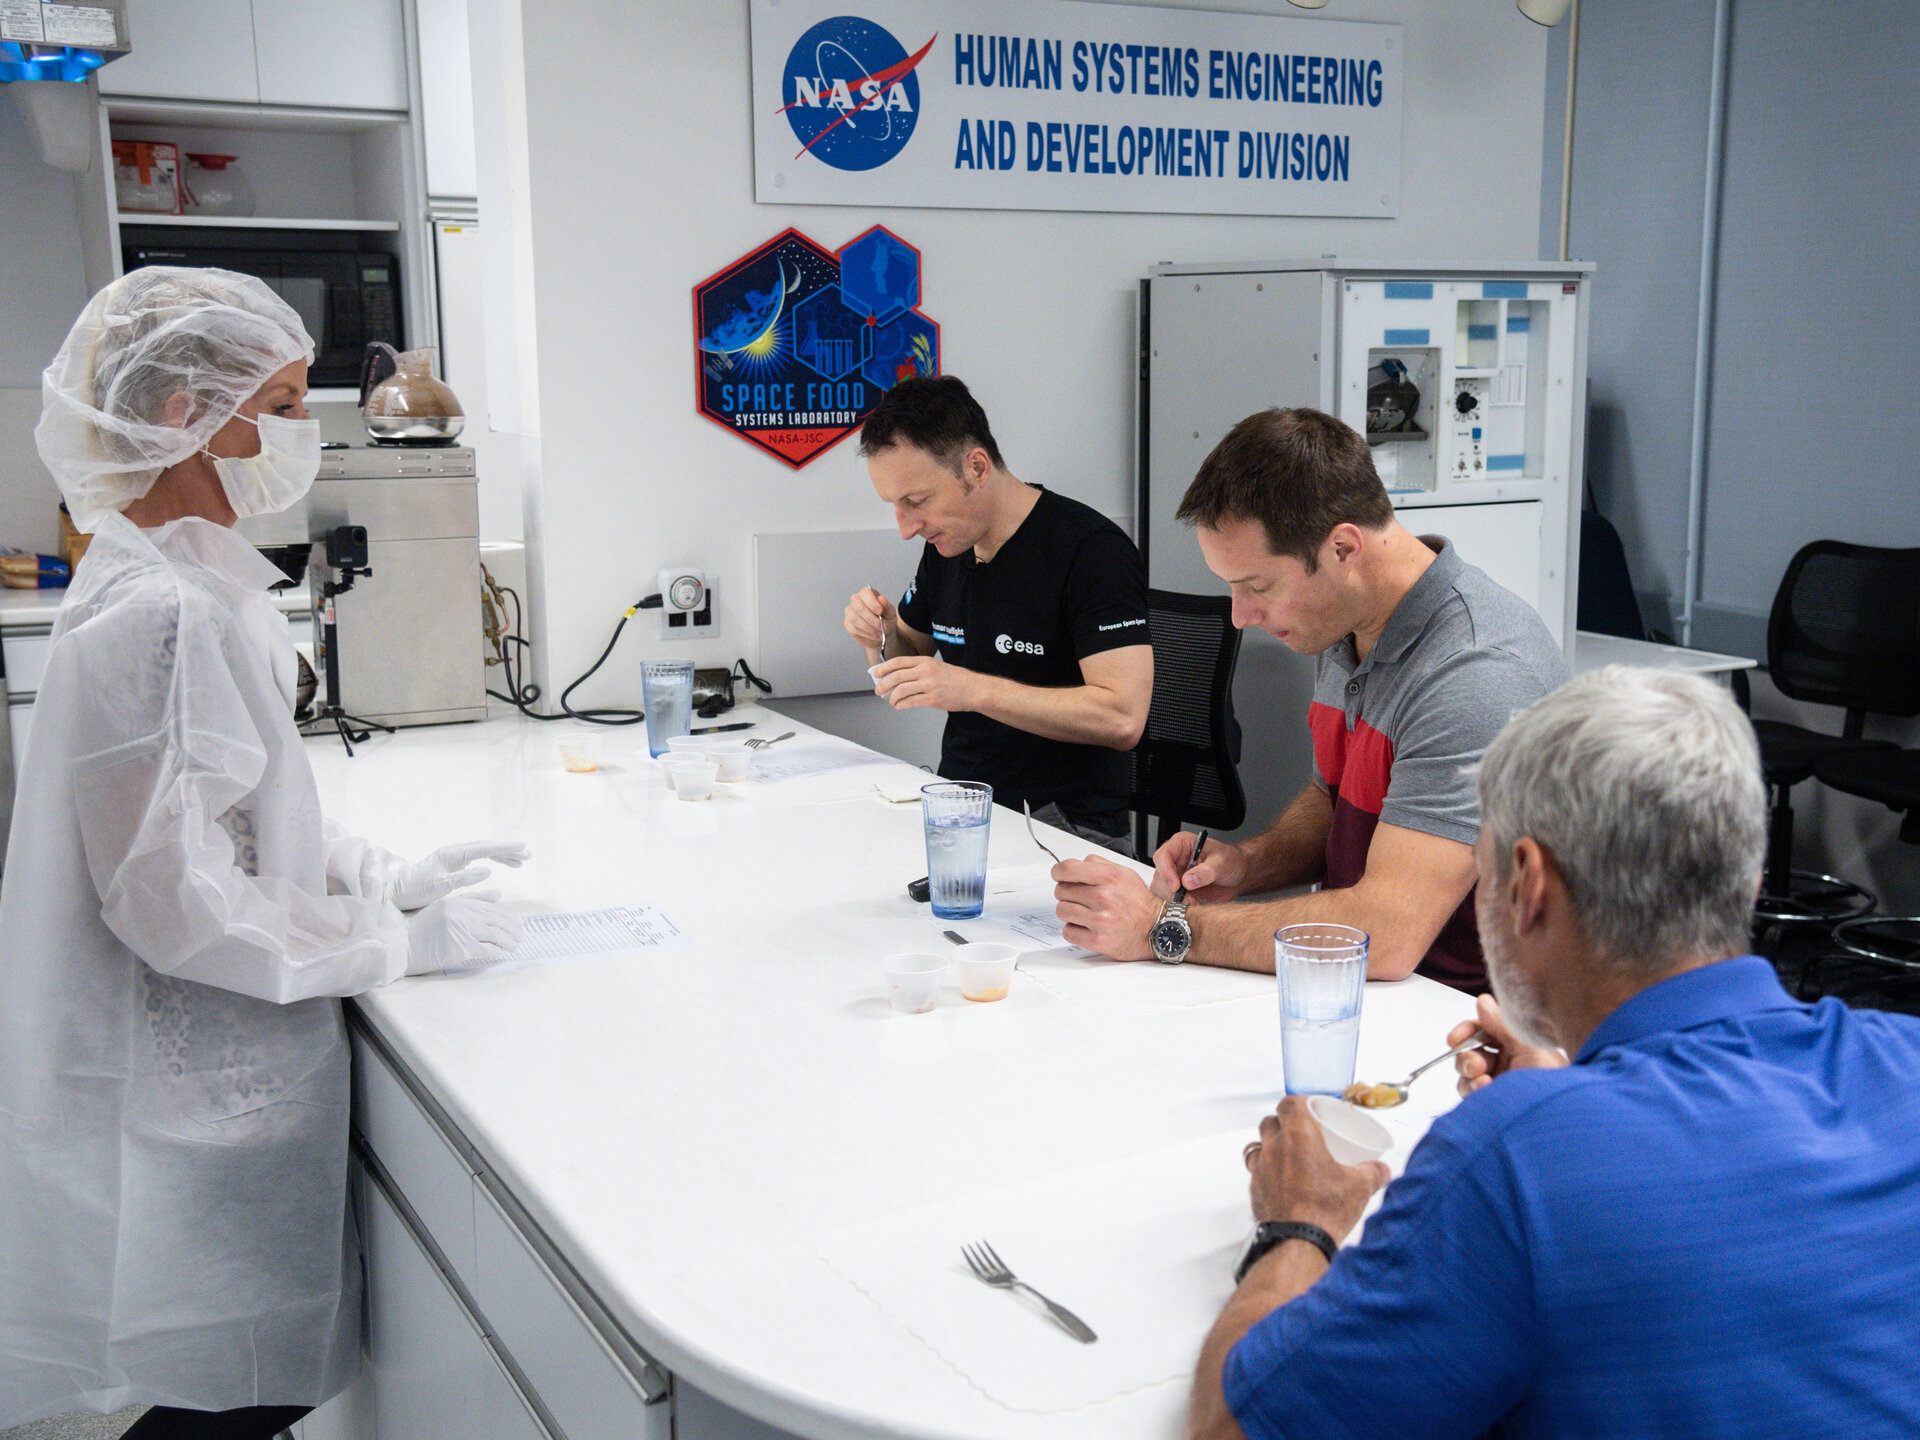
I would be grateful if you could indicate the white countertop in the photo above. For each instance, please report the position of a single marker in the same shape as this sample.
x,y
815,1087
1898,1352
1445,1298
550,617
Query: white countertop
x,y
689,1125
1591,650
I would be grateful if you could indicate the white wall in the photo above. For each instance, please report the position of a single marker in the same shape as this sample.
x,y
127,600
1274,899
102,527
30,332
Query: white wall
x,y
638,128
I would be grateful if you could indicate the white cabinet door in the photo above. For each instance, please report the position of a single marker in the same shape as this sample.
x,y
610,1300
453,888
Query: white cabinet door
x,y
187,50
446,99
1503,539
426,1364
347,54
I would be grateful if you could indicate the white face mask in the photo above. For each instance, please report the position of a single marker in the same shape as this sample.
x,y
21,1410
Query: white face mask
x,y
276,478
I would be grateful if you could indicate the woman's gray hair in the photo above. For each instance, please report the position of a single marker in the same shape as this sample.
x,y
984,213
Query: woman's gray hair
x,y
1645,786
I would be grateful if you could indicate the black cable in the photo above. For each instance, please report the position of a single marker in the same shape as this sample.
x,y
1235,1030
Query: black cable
x,y
742,671
523,695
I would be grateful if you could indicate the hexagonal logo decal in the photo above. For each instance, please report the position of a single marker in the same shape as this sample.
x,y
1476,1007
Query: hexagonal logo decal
x,y
795,345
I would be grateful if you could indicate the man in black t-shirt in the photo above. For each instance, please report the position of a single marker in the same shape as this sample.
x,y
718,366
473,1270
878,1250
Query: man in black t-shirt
x,y
1026,621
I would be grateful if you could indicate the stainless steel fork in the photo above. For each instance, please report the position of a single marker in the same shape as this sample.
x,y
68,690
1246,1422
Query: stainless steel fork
x,y
989,1268
1033,835
760,743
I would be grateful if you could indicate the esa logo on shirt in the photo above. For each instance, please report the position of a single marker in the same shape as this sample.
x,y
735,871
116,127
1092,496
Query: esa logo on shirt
x,y
1007,645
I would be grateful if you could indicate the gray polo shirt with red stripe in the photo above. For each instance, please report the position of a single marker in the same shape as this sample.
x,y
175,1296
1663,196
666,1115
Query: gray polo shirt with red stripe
x,y
1394,735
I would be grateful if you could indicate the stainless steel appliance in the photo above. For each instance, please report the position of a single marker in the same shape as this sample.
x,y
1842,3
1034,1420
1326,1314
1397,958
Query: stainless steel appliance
x,y
406,632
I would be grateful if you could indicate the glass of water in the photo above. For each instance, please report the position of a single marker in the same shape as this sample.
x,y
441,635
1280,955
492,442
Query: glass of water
x,y
666,689
956,815
1322,970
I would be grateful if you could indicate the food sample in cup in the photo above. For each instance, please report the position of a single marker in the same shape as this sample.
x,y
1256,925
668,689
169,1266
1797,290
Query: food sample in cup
x,y
985,971
733,757
691,775
913,981
1352,1135
1372,1097
580,755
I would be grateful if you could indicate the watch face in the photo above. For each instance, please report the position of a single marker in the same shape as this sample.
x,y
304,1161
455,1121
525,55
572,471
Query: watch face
x,y
1169,938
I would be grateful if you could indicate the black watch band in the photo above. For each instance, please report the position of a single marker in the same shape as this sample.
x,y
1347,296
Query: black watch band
x,y
1278,1232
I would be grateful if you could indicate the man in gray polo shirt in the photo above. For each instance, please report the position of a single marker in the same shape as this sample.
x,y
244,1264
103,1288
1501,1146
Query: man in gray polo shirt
x,y
1421,660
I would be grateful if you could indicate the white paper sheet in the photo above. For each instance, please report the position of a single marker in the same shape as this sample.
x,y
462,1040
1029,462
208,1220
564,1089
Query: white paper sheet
x,y
574,935
1149,1276
791,762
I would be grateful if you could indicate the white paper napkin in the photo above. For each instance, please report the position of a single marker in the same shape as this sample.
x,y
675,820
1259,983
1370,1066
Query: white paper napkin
x,y
1149,1272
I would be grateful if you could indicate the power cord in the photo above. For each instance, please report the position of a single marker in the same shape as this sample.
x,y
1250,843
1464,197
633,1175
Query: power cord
x,y
509,643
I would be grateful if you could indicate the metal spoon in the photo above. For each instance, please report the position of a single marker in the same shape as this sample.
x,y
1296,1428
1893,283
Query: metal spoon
x,y
1377,1095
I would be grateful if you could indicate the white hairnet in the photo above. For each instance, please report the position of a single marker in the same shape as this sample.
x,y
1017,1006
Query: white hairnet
x,y
211,335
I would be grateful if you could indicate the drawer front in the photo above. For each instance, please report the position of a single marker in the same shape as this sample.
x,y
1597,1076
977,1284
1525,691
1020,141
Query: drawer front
x,y
589,1392
26,660
436,1182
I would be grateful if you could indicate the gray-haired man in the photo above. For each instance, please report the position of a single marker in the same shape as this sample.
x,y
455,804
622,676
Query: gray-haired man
x,y
1700,1226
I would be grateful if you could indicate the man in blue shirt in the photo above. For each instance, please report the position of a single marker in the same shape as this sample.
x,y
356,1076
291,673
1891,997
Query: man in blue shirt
x,y
1702,1226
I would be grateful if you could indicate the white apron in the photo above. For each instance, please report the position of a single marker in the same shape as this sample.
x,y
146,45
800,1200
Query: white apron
x,y
173,1066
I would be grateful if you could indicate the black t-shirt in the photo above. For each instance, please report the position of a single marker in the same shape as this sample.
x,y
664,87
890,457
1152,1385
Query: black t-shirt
x,y
1067,584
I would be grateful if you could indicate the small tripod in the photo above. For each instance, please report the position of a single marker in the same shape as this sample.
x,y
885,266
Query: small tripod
x,y
346,552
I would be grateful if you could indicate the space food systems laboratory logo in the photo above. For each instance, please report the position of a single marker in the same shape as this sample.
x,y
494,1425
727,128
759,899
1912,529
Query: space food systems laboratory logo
x,y
795,344
850,93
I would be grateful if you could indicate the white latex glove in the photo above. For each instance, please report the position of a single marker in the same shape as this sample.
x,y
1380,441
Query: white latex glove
x,y
458,929
452,868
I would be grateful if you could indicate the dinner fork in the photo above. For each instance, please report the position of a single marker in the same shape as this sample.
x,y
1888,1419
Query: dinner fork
x,y
1032,834
988,1267
760,742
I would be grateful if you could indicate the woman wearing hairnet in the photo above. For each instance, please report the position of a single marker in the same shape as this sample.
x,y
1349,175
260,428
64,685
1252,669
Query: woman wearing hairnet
x,y
177,919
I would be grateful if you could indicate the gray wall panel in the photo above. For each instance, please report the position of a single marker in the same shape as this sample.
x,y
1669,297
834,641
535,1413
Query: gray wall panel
x,y
1818,314
1639,168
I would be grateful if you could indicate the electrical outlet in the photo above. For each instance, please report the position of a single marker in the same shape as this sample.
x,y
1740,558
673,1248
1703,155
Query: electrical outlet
x,y
700,623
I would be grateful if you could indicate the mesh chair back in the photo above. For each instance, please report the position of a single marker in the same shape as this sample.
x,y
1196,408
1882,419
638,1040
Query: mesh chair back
x,y
1183,769
1845,628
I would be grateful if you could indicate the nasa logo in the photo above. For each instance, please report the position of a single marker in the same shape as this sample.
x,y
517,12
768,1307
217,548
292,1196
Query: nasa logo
x,y
1007,645
850,93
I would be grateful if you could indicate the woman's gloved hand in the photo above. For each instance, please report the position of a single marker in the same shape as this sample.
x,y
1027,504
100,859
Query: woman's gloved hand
x,y
451,868
458,929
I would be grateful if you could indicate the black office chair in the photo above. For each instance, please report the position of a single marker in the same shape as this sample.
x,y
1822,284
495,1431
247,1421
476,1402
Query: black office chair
x,y
1891,777
1183,769
1844,631
1607,604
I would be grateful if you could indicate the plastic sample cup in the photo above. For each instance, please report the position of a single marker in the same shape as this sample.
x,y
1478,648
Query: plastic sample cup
x,y
666,689
1351,1134
913,981
733,757
985,971
686,745
956,816
1322,970
580,754
692,775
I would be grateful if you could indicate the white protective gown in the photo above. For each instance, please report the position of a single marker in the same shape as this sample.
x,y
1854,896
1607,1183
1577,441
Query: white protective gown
x,y
175,923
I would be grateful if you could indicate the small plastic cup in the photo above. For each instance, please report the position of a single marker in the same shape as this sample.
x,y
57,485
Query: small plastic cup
x,y
733,757
985,970
913,981
687,745
1351,1134
692,775
580,754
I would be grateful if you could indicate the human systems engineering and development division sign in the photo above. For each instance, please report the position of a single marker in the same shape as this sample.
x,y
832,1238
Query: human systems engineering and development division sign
x,y
1060,105
795,344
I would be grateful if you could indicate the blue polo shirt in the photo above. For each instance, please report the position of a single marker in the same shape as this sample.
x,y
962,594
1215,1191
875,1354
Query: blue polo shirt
x,y
1708,1225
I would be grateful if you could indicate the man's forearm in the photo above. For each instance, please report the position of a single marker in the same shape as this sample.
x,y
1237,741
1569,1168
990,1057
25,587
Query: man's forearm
x,y
1078,714
1293,850
1284,1273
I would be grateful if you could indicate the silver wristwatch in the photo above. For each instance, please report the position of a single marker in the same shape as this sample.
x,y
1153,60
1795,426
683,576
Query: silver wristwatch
x,y
1171,935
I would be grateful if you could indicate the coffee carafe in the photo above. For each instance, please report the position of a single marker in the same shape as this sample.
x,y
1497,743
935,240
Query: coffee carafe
x,y
401,401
